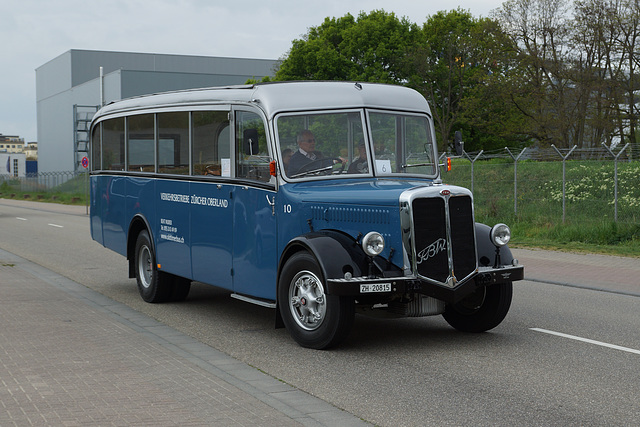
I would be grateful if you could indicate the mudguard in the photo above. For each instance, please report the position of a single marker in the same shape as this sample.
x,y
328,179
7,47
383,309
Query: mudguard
x,y
337,253
487,250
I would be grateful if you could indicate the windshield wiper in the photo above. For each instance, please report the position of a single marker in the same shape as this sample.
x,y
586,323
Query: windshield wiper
x,y
416,165
311,172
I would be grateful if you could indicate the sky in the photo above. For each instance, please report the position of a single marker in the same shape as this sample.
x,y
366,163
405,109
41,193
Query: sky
x,y
33,32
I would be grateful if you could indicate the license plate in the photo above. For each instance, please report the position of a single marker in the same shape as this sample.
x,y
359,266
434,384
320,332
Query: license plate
x,y
366,288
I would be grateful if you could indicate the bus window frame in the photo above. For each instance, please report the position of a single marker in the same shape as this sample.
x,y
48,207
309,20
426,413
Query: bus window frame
x,y
237,138
351,147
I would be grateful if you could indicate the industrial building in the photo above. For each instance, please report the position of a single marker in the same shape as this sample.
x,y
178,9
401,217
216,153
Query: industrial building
x,y
69,91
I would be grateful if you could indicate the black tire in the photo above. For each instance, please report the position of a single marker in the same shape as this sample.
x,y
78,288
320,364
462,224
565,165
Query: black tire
x,y
483,310
313,319
154,286
180,289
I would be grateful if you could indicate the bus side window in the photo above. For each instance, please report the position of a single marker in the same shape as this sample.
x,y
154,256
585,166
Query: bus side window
x,y
252,151
140,141
113,144
210,142
173,143
96,148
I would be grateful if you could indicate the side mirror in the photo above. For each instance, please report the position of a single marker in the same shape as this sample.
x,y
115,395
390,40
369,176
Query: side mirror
x,y
457,142
250,141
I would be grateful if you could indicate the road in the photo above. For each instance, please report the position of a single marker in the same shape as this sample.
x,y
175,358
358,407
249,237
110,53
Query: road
x,y
565,355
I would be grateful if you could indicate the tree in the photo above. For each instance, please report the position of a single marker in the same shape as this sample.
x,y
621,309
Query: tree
x,y
597,71
488,117
456,69
545,96
369,48
581,72
629,42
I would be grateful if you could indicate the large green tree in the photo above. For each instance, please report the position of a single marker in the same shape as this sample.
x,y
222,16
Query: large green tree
x,y
367,48
454,60
458,69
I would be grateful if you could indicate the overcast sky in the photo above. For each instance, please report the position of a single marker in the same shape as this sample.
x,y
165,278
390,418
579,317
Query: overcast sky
x,y
33,32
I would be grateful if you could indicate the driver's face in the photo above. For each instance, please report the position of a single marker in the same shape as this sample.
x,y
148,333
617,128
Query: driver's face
x,y
308,143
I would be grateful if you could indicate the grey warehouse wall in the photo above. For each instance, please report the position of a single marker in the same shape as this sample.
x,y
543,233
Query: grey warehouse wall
x,y
73,79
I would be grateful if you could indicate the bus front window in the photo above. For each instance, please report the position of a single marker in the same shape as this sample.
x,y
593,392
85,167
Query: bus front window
x,y
321,144
402,144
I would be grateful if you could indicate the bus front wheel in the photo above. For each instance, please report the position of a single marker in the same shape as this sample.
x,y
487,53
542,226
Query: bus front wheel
x,y
313,319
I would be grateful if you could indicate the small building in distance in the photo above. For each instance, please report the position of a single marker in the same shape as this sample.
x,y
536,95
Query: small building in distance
x,y
11,144
12,165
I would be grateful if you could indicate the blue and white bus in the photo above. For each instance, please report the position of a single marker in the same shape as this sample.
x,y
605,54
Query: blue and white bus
x,y
318,199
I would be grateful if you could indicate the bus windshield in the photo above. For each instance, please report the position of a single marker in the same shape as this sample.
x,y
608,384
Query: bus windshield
x,y
336,143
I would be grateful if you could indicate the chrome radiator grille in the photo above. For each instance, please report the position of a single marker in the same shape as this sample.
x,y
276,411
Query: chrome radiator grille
x,y
444,238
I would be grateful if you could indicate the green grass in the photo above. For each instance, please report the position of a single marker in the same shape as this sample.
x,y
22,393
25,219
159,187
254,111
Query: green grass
x,y
72,192
537,220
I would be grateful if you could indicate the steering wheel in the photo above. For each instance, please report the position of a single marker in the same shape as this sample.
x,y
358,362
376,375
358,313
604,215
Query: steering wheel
x,y
316,166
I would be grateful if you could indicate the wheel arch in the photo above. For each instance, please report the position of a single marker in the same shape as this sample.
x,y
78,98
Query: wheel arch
x,y
334,252
137,224
486,249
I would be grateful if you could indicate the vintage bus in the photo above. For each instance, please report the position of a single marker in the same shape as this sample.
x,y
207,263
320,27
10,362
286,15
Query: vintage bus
x,y
317,199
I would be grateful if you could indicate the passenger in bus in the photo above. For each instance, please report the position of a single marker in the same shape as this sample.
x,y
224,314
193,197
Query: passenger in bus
x,y
286,158
212,170
360,165
306,155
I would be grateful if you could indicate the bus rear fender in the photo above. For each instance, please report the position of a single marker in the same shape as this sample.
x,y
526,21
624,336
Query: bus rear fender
x,y
138,224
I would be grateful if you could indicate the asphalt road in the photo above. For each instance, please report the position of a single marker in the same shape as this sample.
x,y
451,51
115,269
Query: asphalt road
x,y
395,372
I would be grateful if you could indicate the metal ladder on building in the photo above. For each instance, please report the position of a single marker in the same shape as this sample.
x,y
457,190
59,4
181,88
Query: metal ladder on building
x,y
82,115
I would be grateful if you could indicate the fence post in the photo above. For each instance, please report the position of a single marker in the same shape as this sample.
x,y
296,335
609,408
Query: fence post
x,y
564,159
464,153
615,178
515,179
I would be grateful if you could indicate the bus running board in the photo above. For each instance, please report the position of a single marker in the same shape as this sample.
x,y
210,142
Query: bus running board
x,y
260,302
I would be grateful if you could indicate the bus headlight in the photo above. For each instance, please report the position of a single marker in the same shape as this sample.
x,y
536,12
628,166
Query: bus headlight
x,y
500,235
373,243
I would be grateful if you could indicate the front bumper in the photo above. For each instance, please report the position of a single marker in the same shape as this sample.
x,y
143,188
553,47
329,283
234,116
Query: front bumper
x,y
485,276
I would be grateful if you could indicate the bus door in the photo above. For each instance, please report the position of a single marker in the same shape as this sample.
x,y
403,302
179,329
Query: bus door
x,y
210,199
171,218
254,224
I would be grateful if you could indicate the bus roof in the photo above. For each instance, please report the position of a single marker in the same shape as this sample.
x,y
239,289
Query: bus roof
x,y
278,97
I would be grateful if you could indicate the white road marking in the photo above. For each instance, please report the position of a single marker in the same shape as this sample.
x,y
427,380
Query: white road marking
x,y
21,219
600,343
56,225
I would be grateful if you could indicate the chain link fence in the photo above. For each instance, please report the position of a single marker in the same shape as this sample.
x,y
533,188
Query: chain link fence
x,y
68,187
543,186
549,186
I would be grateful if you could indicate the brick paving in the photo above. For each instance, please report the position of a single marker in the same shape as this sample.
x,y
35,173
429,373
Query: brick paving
x,y
72,357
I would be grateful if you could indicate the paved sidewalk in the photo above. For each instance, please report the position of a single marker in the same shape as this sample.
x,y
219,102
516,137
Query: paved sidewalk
x,y
599,272
70,356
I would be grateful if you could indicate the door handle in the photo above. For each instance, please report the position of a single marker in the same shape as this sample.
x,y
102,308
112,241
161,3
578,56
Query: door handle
x,y
272,203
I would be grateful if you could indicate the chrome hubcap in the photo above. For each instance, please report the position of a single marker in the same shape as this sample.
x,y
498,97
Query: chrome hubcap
x,y
307,300
144,267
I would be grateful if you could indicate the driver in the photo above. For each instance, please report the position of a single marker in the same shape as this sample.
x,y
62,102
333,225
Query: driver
x,y
307,154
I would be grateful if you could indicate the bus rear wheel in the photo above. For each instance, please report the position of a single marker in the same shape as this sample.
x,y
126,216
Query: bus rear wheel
x,y
313,319
154,286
